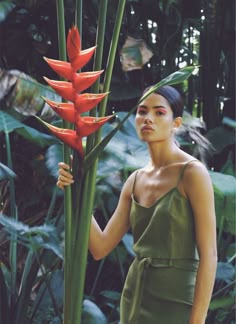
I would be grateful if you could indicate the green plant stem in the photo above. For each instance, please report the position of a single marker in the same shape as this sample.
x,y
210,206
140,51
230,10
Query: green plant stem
x,y
66,158
81,252
78,15
110,61
98,61
87,200
14,215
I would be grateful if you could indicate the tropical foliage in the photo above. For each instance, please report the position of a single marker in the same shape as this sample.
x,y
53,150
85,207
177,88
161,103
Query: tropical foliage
x,y
32,238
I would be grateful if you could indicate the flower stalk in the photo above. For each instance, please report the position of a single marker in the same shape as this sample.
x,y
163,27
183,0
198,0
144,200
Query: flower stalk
x,y
70,89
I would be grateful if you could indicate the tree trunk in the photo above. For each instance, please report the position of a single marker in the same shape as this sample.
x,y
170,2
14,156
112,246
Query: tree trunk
x,y
210,50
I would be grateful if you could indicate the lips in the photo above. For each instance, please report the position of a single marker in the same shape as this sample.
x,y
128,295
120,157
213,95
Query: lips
x,y
146,128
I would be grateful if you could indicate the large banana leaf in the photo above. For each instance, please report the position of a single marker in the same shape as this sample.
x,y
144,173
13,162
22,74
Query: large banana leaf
x,y
10,124
25,95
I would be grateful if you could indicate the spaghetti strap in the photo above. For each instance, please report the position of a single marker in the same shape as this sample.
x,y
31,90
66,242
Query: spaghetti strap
x,y
135,176
182,171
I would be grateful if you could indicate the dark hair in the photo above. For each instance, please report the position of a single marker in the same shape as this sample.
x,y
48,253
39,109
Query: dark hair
x,y
173,97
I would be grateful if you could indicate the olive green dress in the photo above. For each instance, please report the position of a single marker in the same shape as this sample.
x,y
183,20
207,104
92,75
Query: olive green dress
x,y
159,287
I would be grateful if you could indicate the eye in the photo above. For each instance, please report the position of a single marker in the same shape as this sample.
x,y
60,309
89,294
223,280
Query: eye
x,y
141,111
161,112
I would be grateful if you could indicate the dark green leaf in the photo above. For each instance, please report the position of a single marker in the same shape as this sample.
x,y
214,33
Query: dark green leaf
x,y
111,294
173,78
128,243
36,237
4,307
6,173
10,124
5,7
222,302
225,271
92,313
225,200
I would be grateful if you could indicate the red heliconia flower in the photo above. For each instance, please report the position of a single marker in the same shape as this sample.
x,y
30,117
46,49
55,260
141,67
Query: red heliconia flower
x,y
73,43
62,68
77,57
65,110
63,88
86,101
70,90
80,82
83,103
87,125
84,80
68,136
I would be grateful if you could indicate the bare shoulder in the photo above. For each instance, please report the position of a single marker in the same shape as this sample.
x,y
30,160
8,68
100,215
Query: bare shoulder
x,y
197,178
195,169
129,184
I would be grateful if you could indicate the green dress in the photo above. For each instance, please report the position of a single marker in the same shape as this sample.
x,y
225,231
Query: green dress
x,y
159,287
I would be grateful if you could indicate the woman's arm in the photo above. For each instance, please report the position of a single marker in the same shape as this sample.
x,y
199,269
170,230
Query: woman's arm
x,y
198,187
103,242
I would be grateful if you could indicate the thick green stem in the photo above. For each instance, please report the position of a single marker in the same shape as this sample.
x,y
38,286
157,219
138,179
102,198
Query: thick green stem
x,y
88,193
66,157
81,252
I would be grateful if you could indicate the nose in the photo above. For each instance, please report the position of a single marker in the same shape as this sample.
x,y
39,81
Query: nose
x,y
148,118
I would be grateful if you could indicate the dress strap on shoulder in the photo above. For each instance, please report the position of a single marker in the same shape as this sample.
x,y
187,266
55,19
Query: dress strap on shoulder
x,y
183,169
135,176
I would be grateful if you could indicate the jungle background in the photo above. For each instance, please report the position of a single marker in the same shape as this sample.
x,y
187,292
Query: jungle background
x,y
157,38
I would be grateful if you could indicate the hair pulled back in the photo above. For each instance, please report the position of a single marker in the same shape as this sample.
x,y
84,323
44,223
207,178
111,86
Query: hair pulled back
x,y
173,97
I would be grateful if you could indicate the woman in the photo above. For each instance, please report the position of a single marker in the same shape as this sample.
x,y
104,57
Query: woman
x,y
169,205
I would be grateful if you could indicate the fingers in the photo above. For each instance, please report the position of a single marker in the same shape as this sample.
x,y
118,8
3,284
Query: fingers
x,y
65,178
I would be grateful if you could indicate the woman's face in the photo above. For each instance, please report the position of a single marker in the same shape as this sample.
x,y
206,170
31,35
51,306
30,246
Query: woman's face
x,y
154,119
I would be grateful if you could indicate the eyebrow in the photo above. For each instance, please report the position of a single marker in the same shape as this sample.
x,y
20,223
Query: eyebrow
x,y
154,107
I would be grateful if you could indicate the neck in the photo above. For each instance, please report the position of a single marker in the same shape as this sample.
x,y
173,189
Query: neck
x,y
162,153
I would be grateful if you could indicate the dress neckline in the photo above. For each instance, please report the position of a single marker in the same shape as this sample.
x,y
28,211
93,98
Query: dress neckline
x,y
158,199
175,188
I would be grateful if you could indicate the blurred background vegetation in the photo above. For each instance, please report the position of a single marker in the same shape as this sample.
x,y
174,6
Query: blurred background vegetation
x,y
157,38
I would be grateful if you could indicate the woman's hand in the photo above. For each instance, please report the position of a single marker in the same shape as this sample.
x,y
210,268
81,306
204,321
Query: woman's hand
x,y
65,178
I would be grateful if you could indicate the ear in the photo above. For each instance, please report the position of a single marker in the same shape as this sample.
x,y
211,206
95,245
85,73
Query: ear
x,y
177,122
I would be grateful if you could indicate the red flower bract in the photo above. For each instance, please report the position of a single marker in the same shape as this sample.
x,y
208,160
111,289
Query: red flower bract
x,y
70,90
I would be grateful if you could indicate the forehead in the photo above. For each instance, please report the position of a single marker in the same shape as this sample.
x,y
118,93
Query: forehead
x,y
155,100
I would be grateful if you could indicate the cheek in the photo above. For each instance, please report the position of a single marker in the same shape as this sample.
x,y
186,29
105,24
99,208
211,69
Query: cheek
x,y
137,120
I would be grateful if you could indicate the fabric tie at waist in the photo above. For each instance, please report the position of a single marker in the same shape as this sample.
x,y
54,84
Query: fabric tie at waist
x,y
142,267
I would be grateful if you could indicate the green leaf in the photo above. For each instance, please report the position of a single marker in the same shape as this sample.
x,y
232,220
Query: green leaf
x,y
111,294
10,124
36,237
43,301
6,173
225,271
222,302
225,200
92,313
5,8
221,137
174,78
128,243
4,307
